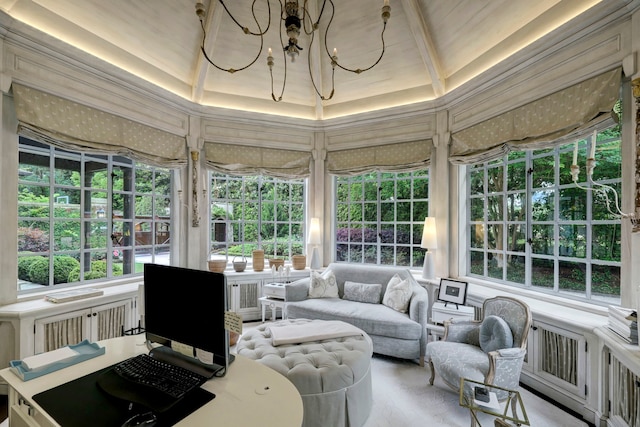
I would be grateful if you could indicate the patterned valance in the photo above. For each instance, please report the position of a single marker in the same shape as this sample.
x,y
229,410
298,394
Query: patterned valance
x,y
244,160
541,122
57,121
400,157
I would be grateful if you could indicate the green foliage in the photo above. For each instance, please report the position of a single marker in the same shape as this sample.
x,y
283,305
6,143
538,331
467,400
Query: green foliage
x,y
39,271
62,266
98,271
24,264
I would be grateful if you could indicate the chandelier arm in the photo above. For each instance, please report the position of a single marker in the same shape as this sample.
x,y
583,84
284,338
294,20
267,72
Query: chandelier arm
x,y
604,190
362,70
333,72
253,12
284,60
305,13
228,70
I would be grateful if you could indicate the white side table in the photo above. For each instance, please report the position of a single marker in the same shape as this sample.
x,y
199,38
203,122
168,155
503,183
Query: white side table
x,y
273,304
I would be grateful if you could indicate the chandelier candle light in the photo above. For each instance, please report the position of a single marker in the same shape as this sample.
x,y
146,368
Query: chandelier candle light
x,y
596,186
296,17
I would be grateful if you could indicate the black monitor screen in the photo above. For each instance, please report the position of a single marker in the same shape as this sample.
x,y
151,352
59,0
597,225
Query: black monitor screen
x,y
186,306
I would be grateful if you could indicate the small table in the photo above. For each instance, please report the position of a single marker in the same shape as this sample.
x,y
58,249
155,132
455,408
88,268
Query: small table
x,y
274,304
509,408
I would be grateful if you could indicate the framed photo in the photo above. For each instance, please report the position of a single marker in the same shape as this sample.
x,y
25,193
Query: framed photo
x,y
453,291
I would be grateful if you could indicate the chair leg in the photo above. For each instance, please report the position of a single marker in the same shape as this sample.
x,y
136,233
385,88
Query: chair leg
x,y
433,372
422,361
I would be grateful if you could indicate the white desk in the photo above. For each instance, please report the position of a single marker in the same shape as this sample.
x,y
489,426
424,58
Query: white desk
x,y
250,394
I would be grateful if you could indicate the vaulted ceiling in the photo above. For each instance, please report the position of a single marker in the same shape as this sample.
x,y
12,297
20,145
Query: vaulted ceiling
x,y
432,47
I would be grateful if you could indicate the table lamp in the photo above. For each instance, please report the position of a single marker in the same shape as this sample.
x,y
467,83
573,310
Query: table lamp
x,y
315,240
430,243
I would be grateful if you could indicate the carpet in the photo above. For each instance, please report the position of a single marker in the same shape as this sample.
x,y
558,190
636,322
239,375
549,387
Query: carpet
x,y
402,397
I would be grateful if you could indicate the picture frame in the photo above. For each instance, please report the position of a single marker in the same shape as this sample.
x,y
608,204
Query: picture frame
x,y
453,291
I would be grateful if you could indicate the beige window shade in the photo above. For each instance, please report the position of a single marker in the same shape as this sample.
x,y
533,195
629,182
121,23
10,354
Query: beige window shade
x,y
401,157
53,120
242,160
541,122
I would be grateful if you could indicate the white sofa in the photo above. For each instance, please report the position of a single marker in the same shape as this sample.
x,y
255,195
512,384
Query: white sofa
x,y
393,333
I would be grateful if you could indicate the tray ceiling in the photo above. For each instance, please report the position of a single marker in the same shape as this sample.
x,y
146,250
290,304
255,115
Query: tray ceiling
x,y
432,47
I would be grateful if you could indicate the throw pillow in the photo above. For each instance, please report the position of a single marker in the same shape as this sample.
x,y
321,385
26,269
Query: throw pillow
x,y
398,294
495,334
323,285
362,292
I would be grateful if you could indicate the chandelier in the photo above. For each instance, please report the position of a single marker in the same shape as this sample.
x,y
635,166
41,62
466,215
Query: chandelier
x,y
597,187
295,18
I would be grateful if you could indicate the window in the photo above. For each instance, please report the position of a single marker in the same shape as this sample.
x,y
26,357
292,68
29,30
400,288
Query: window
x,y
256,212
85,216
529,225
380,216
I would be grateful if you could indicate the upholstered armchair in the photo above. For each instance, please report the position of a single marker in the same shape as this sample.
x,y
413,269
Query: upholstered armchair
x,y
490,351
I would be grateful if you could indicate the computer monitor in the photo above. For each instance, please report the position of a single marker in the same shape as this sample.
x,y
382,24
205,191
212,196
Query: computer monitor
x,y
187,306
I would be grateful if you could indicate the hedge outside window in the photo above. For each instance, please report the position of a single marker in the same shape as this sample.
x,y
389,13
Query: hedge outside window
x,y
88,216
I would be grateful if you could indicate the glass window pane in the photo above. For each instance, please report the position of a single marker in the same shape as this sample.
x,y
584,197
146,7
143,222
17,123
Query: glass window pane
x,y
542,239
544,172
516,176
573,204
67,236
605,283
543,205
66,203
33,201
495,208
516,269
606,242
34,167
477,209
542,273
476,263
572,240
572,278
477,235
516,207
33,237
516,238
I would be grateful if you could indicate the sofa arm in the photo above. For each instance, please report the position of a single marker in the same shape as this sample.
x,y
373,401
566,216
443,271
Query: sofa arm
x,y
419,308
297,291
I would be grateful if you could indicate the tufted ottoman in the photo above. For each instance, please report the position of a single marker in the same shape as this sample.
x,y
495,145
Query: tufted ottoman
x,y
333,376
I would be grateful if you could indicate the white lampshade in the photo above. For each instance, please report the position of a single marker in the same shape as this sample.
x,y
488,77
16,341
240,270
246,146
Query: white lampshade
x,y
429,237
314,232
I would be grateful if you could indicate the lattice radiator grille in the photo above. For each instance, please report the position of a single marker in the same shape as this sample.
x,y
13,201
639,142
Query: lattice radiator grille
x,y
71,331
111,322
63,332
625,394
559,356
248,295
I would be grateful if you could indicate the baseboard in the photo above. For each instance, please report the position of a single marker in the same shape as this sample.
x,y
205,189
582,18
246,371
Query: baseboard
x,y
556,404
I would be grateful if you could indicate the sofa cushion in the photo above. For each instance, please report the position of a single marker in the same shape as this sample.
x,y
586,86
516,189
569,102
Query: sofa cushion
x,y
374,319
398,294
495,334
323,285
362,292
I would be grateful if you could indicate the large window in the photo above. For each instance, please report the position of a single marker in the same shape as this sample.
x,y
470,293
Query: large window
x,y
529,225
256,212
380,216
83,217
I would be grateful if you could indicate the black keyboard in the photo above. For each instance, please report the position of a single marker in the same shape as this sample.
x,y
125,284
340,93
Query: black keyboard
x,y
170,379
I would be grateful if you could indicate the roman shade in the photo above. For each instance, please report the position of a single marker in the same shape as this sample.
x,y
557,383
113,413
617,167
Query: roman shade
x,y
400,157
67,124
540,123
244,160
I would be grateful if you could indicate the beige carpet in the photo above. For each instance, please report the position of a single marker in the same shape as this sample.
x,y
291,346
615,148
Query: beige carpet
x,y
402,397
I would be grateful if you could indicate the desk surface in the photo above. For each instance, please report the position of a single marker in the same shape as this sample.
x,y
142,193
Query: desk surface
x,y
250,393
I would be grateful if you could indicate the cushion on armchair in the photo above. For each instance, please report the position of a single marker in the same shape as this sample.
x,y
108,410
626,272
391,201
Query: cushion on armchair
x,y
495,334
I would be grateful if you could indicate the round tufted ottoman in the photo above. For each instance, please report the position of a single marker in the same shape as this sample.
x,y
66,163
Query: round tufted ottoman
x,y
333,376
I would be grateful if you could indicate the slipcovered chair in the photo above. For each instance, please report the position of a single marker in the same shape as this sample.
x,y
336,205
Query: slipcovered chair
x,y
490,351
